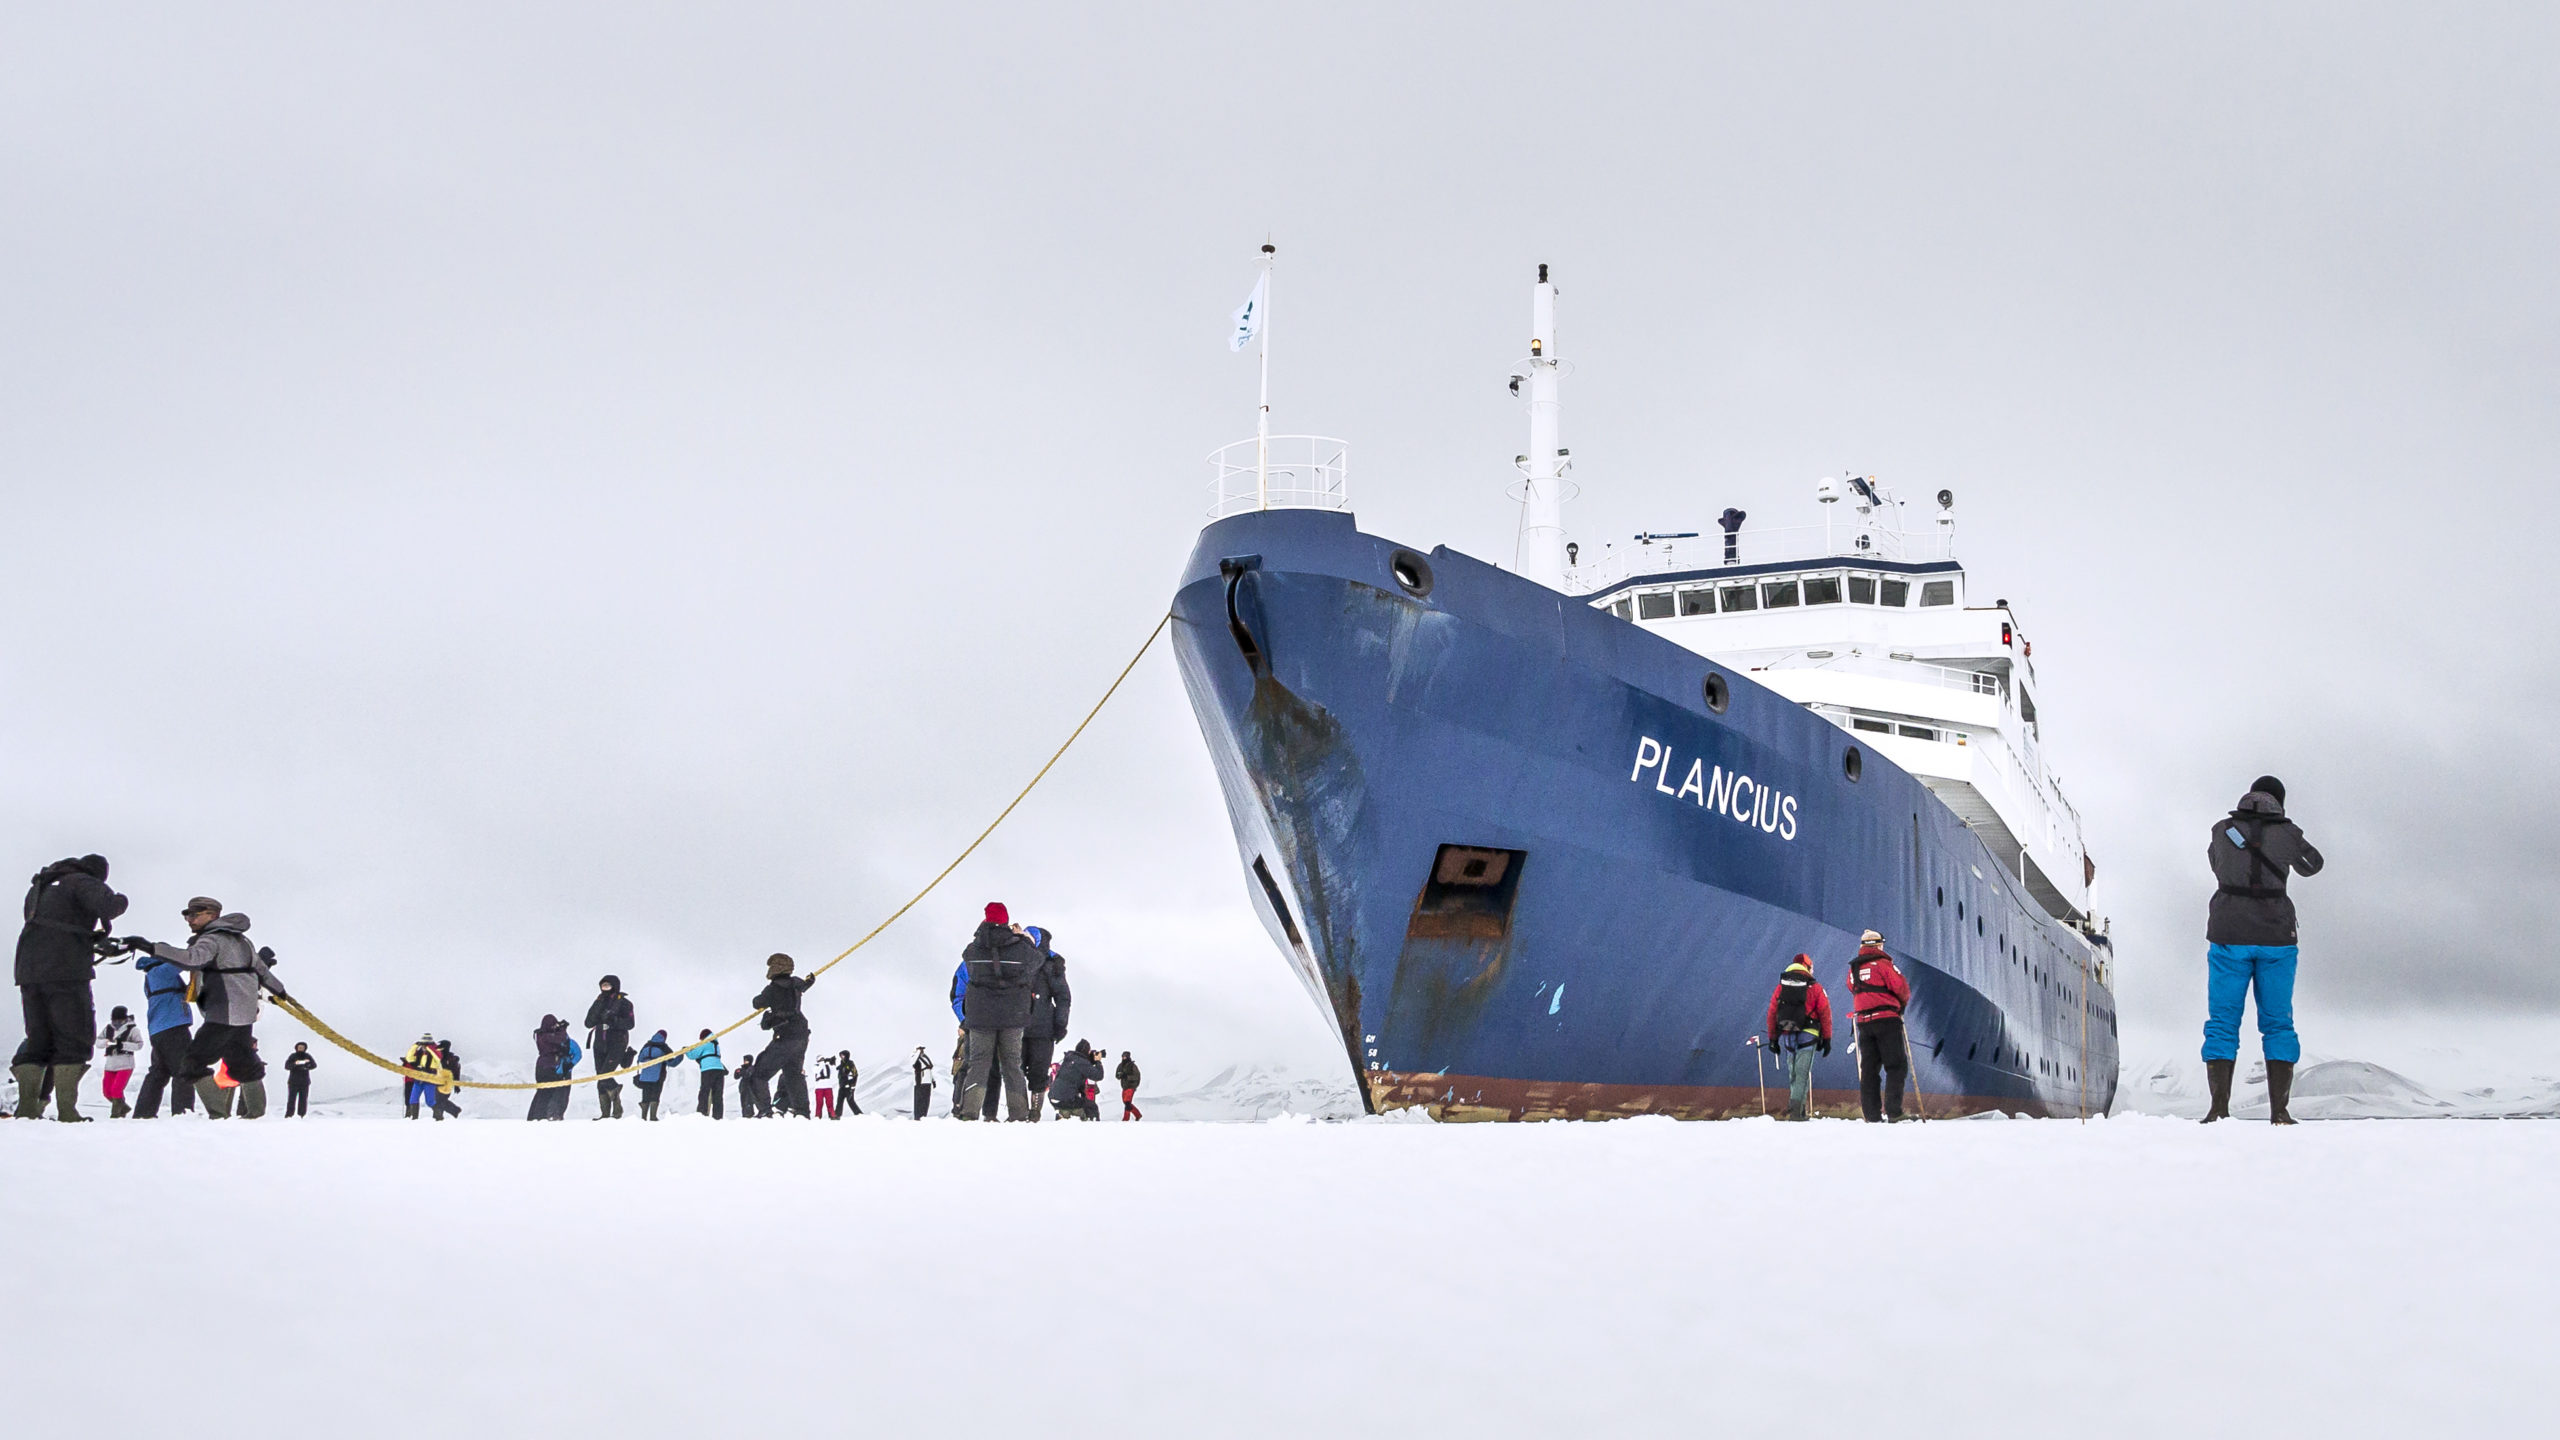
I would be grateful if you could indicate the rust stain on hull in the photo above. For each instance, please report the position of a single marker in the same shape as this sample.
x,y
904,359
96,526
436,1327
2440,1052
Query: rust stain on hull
x,y
1476,1097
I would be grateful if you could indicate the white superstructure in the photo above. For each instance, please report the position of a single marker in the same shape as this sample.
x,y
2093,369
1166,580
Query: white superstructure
x,y
1871,625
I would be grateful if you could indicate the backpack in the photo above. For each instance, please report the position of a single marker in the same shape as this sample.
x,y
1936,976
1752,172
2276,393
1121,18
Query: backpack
x,y
1794,1015
576,1053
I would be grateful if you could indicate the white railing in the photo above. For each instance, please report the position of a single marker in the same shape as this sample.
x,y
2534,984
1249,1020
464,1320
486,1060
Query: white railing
x,y
1284,472
1845,542
1914,672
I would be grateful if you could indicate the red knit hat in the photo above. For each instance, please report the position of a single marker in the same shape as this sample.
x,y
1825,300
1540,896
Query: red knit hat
x,y
995,913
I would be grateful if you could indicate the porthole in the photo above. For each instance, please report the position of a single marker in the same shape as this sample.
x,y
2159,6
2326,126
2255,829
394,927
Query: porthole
x,y
1412,572
1959,910
1717,693
1942,897
1852,764
1977,926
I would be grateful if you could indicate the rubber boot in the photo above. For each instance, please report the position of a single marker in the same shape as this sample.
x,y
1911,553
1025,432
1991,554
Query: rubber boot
x,y
30,1080
120,1109
66,1091
2279,1091
2217,1079
411,1109
217,1101
253,1099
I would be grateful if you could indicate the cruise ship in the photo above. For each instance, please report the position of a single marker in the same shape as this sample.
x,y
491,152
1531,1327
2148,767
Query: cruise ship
x,y
1539,839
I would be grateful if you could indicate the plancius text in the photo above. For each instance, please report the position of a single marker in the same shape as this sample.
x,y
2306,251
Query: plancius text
x,y
1738,797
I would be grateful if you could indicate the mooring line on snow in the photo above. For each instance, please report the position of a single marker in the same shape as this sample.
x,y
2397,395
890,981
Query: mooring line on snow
x,y
321,1028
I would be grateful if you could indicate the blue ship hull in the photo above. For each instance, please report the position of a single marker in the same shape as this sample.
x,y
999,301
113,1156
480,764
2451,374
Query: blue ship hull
x,y
1368,739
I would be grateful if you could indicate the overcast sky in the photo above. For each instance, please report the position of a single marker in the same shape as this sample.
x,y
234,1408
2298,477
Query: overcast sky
x,y
502,494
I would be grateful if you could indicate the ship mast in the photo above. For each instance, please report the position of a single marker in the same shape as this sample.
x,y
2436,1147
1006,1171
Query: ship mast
x,y
1542,553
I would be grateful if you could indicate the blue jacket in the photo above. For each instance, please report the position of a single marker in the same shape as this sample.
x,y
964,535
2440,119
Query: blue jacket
x,y
960,992
656,1047
164,986
707,1055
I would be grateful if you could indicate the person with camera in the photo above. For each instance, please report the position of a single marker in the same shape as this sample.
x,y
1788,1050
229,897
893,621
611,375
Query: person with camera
x,y
230,974
1071,1091
1799,1027
995,1009
1051,1003
67,912
777,1069
610,1021
2251,940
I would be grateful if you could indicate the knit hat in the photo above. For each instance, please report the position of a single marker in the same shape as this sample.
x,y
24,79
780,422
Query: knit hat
x,y
1870,938
777,965
1801,962
996,913
2269,786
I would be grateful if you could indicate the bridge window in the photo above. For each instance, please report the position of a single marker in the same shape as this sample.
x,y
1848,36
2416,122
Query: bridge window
x,y
1938,592
1654,605
1698,600
1624,609
1862,589
1822,589
1740,597
1893,592
1918,732
1778,594
1861,722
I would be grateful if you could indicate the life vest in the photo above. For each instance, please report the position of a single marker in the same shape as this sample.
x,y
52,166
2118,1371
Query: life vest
x,y
1891,1009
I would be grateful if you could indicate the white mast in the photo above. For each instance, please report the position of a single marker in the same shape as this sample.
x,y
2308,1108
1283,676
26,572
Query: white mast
x,y
1262,417
1542,555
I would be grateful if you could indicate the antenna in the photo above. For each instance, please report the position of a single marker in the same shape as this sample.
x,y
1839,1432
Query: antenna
x,y
1543,556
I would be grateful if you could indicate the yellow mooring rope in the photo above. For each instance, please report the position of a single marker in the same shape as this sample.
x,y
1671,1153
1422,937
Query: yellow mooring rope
x,y
322,1029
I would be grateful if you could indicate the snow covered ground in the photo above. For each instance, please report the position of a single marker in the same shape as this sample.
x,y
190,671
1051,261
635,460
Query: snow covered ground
x,y
2138,1276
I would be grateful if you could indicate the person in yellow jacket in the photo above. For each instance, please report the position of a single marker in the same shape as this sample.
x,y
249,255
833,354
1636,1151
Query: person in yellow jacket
x,y
426,1059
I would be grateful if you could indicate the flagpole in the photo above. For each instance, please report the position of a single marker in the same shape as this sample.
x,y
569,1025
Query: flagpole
x,y
1262,420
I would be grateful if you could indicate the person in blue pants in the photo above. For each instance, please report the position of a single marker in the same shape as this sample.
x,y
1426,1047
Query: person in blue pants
x,y
2251,943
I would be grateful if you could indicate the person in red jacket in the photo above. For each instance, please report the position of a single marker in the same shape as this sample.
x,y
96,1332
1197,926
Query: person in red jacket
x,y
1877,994
1799,1026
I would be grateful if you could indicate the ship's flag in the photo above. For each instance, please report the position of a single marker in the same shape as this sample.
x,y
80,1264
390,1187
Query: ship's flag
x,y
1249,315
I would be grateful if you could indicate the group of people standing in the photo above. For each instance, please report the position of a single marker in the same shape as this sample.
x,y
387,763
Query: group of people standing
x,y
1011,997
768,1084
201,1005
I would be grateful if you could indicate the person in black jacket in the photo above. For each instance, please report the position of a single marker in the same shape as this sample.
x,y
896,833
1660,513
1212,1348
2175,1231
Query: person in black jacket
x,y
297,1079
1051,1002
453,1069
777,1069
924,1081
1075,1073
1127,1075
846,1074
2250,943
67,911
610,1021
996,1008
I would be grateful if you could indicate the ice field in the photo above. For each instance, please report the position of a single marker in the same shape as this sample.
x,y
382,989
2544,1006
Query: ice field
x,y
2136,1276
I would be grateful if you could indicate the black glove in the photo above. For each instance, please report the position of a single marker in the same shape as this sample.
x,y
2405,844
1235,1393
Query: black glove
x,y
133,942
267,955
1824,1048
